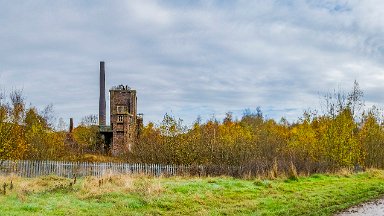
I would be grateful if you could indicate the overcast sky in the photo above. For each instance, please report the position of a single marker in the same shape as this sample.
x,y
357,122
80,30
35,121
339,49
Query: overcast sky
x,y
192,58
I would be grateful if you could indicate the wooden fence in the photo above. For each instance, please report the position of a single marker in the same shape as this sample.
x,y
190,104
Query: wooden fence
x,y
70,169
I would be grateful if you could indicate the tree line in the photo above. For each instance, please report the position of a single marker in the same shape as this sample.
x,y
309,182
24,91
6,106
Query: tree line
x,y
343,133
29,133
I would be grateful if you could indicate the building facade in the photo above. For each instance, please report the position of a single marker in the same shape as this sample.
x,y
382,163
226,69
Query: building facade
x,y
125,122
123,118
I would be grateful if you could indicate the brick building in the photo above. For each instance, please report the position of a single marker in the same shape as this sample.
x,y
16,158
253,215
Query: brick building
x,y
125,122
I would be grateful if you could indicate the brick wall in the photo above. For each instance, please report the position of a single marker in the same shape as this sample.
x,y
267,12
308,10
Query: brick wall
x,y
123,109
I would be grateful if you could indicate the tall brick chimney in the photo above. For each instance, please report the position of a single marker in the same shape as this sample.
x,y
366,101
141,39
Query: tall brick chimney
x,y
70,125
102,104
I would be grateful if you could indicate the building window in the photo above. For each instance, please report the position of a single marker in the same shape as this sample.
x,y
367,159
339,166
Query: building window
x,y
120,118
121,109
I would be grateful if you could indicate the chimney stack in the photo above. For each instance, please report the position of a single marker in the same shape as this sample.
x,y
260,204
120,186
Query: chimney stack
x,y
102,104
70,125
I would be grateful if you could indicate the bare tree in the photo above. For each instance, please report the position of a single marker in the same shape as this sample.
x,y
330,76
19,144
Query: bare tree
x,y
18,106
62,125
89,120
49,115
355,100
337,101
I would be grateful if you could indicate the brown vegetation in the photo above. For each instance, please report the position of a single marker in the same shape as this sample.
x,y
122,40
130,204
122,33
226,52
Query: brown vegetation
x,y
344,135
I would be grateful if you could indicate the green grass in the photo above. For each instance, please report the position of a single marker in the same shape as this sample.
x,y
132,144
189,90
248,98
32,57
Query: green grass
x,y
140,195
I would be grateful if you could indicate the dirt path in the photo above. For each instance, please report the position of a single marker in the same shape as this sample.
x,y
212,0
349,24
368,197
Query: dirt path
x,y
372,208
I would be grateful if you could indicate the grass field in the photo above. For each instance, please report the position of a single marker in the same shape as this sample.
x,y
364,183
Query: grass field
x,y
141,195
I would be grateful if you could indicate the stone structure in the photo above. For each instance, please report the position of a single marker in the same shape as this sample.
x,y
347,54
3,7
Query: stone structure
x,y
125,123
123,111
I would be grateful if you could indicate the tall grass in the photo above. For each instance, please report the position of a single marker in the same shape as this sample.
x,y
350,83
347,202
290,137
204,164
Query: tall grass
x,y
317,194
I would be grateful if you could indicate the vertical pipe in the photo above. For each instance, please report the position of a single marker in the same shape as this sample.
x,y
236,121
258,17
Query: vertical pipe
x,y
102,105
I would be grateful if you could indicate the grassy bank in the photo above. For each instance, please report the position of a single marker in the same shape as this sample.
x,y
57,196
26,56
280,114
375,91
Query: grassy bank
x,y
140,195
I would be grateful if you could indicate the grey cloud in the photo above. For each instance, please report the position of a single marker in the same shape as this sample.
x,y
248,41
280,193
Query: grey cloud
x,y
192,58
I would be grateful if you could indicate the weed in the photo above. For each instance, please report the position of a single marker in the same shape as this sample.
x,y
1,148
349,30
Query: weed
x,y
292,173
345,172
4,188
258,183
274,172
212,181
263,183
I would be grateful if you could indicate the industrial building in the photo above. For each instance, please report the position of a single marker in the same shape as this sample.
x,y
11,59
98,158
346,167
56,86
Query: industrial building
x,y
125,122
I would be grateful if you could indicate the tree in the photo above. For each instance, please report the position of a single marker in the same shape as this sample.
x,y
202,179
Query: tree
x,y
340,140
89,120
371,136
44,143
355,100
12,142
87,138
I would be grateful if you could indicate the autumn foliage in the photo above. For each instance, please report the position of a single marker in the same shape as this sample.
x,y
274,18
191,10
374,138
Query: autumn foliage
x,y
342,134
25,133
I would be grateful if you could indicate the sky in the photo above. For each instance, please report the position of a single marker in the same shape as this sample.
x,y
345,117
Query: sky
x,y
192,58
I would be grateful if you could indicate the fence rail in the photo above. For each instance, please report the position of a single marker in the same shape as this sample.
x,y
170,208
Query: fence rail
x,y
25,168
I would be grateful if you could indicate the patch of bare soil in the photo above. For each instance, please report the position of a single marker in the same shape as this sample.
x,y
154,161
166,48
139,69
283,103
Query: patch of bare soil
x,y
371,208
